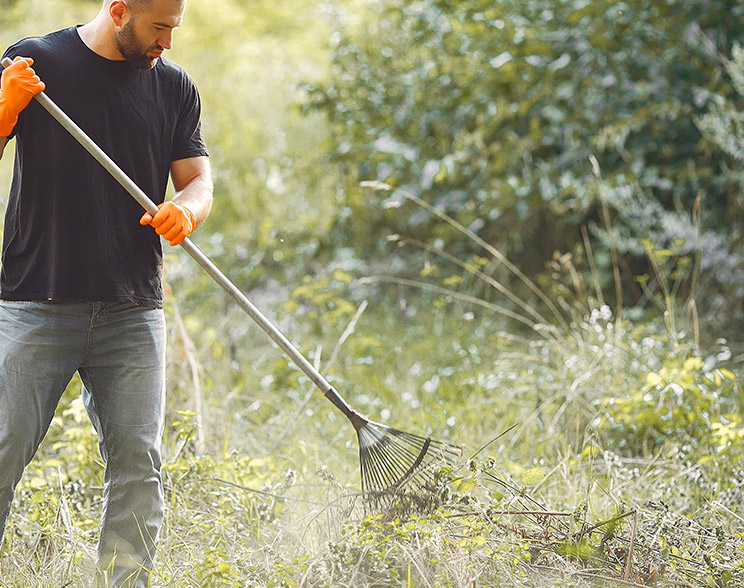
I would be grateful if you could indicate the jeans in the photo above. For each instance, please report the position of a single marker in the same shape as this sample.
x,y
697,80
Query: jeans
x,y
118,349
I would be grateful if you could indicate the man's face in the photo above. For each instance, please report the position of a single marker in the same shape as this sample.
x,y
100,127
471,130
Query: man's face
x,y
148,31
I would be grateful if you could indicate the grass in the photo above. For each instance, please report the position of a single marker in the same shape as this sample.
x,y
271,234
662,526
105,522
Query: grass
x,y
603,451
608,478
598,450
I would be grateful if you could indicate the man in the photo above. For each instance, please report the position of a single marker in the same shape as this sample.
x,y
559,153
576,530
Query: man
x,y
80,285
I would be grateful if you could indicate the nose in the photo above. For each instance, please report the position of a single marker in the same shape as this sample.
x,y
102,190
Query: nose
x,y
165,40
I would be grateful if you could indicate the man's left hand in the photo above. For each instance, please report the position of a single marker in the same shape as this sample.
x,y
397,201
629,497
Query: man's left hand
x,y
173,221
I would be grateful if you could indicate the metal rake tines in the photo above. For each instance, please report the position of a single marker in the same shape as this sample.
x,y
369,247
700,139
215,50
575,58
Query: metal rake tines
x,y
396,464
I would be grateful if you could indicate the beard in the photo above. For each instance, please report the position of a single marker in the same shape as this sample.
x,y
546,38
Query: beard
x,y
133,49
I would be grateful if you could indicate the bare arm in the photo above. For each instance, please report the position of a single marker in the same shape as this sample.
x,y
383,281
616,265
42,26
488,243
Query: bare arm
x,y
3,143
192,180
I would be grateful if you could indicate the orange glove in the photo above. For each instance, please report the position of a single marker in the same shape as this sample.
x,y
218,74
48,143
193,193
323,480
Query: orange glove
x,y
173,221
18,86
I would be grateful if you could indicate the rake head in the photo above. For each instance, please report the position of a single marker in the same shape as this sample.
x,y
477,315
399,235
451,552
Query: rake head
x,y
400,468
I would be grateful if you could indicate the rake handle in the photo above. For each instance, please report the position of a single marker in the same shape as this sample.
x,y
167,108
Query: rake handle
x,y
197,255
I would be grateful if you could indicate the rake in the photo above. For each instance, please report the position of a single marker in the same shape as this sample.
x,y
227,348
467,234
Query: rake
x,y
396,467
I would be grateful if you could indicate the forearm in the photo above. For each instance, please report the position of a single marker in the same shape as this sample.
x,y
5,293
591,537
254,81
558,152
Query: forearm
x,y
197,197
177,219
192,180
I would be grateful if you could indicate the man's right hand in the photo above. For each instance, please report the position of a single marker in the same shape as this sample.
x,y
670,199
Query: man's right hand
x,y
19,84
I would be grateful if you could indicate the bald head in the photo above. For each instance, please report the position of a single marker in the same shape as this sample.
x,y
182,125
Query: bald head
x,y
130,3
135,5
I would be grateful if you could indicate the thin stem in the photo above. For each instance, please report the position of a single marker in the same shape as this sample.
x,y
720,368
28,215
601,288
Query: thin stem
x,y
468,267
494,253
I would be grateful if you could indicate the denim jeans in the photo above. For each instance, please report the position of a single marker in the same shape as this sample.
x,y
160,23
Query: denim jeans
x,y
118,349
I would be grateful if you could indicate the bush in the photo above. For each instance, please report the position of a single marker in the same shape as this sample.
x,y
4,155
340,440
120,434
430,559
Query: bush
x,y
490,112
683,404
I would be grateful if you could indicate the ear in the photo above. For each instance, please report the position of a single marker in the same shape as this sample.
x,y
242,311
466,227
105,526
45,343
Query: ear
x,y
118,11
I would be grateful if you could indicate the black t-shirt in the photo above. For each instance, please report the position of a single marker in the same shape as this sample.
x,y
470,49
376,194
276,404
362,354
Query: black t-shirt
x,y
71,231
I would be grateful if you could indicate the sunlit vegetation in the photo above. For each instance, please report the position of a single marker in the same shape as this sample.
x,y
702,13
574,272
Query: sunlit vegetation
x,y
512,226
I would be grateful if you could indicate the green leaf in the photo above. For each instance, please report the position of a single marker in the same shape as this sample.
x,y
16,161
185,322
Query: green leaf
x,y
467,485
533,476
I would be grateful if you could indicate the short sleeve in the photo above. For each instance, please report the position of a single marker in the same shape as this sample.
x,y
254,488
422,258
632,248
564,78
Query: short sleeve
x,y
188,140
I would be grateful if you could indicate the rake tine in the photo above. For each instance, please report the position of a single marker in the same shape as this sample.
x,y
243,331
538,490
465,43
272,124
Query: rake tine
x,y
443,451
418,441
376,479
366,474
386,469
375,462
379,479
399,454
395,467
374,474
415,464
378,476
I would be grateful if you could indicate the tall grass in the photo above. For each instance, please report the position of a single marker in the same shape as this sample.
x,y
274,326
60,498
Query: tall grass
x,y
618,466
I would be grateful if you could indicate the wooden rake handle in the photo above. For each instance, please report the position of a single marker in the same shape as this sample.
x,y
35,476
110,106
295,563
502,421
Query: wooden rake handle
x,y
204,262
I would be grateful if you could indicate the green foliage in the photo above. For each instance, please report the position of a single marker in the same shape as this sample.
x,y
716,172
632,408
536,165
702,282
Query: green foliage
x,y
684,402
323,300
490,111
724,123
